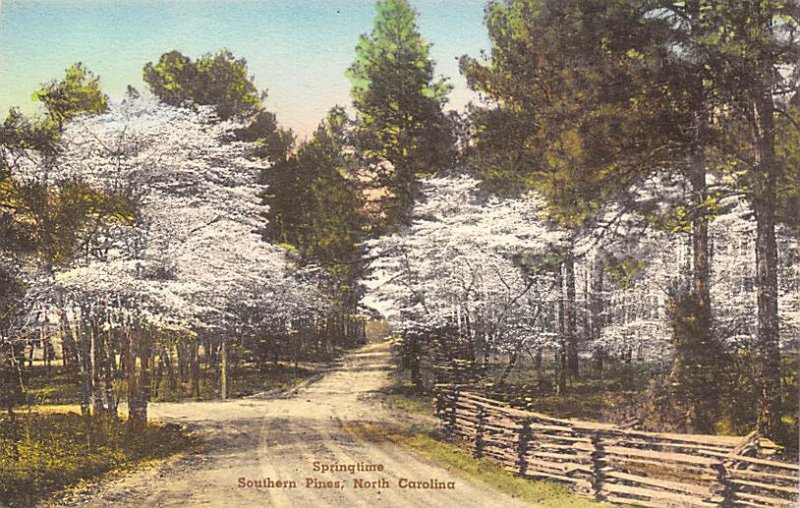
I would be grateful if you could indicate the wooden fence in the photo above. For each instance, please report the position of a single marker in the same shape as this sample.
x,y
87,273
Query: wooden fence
x,y
609,463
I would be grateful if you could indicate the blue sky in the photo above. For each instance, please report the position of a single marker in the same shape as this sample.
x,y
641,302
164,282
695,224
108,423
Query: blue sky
x,y
297,49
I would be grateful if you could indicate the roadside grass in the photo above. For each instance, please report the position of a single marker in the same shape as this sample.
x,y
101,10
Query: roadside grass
x,y
612,398
590,399
247,380
425,441
624,394
417,431
404,398
41,453
62,387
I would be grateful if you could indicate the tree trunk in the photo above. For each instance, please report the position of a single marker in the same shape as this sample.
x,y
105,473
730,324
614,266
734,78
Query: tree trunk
x,y
596,310
195,368
47,348
701,268
414,359
97,366
169,366
223,369
146,359
134,393
295,338
570,315
560,355
69,350
31,352
86,368
158,360
764,198
512,361
139,385
108,374
184,361
697,358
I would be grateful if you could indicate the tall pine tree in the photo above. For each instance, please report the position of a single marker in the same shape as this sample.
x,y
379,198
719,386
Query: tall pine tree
x,y
400,104
316,206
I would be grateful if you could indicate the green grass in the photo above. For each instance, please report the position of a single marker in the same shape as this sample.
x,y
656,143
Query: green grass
x,y
416,431
403,398
247,381
60,386
41,453
590,399
424,441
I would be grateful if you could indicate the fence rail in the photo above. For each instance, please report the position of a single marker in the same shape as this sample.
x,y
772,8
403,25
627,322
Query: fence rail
x,y
610,463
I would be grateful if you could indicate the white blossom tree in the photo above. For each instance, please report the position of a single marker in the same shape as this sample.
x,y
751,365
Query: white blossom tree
x,y
189,257
488,268
480,266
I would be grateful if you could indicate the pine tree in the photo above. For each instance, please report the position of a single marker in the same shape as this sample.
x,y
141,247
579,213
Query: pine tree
x,y
219,79
558,124
315,205
77,94
753,59
399,103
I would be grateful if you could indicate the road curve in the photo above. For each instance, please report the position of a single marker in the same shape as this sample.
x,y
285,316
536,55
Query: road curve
x,y
252,444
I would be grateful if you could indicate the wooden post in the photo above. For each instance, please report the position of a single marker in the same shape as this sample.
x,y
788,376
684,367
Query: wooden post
x,y
454,408
479,432
598,465
522,447
438,404
728,488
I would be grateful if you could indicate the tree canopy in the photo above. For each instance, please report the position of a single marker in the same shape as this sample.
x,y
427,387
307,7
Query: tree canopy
x,y
77,94
316,204
219,79
399,103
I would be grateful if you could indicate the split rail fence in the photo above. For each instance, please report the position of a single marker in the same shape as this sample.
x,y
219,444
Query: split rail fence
x,y
609,463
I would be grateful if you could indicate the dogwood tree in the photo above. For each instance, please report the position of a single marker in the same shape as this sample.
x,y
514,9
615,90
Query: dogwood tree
x,y
487,269
479,265
191,256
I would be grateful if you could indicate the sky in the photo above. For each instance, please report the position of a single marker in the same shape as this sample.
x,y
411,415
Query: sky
x,y
298,50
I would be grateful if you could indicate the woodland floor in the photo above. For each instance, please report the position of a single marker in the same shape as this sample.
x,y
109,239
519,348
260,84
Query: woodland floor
x,y
280,437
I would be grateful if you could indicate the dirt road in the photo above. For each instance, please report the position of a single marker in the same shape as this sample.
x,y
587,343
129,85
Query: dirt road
x,y
254,442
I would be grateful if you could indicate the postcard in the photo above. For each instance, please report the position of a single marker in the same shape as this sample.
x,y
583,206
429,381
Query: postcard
x,y
401,253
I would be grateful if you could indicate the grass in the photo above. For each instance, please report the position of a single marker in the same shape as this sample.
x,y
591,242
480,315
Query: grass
x,y
612,398
424,441
247,381
416,431
404,398
624,394
62,387
41,453
59,386
586,399
591,399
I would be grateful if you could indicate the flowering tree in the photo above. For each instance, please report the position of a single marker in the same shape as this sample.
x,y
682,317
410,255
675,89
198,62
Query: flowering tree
x,y
488,272
191,258
480,266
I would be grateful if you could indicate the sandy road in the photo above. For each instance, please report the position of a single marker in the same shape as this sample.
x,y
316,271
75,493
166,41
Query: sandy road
x,y
280,439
